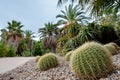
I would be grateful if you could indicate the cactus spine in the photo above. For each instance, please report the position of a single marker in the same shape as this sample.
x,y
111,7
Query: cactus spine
x,y
111,49
68,55
47,61
91,61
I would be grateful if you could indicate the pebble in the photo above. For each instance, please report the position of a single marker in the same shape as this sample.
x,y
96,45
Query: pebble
x,y
29,71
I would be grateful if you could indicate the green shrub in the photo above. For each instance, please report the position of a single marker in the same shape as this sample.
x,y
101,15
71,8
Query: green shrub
x,y
11,51
47,61
68,55
91,61
39,49
85,34
70,44
108,34
111,48
3,49
26,53
37,58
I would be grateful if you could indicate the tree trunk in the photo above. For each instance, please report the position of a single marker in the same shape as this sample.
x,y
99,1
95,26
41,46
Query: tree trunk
x,y
53,49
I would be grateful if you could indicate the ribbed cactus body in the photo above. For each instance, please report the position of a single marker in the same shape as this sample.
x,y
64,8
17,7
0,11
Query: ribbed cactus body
x,y
47,61
37,58
111,48
91,61
115,45
68,55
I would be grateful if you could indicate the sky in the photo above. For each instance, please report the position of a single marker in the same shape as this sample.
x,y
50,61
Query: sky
x,y
33,14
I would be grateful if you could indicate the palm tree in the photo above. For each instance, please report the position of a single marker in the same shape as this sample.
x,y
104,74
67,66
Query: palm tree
x,y
48,33
73,15
14,33
28,37
96,6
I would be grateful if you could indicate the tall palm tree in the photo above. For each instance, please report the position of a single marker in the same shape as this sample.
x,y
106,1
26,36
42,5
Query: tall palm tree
x,y
28,37
49,36
96,6
14,33
72,15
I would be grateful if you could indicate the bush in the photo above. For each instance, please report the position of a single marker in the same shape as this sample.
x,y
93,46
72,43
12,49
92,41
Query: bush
x,y
26,53
68,55
108,34
111,48
47,61
39,49
85,34
11,51
91,61
3,49
117,29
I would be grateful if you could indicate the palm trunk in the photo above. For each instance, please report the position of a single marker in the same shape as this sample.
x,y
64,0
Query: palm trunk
x,y
53,49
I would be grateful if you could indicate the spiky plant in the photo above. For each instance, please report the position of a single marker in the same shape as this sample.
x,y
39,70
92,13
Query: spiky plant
x,y
37,58
111,48
68,55
115,45
91,61
47,61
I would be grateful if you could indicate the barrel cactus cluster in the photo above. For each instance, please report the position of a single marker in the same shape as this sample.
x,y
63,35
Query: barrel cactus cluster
x,y
47,61
68,55
112,47
91,61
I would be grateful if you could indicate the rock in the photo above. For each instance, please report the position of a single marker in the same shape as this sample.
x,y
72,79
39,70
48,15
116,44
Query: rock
x,y
29,71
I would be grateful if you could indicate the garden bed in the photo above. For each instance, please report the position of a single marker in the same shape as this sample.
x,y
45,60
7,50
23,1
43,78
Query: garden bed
x,y
29,71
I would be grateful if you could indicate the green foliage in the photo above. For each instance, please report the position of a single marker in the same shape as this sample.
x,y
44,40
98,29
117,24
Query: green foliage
x,y
11,51
117,29
47,61
108,34
72,15
37,58
22,47
26,53
3,49
111,48
68,55
39,49
61,43
70,44
91,61
85,34
73,30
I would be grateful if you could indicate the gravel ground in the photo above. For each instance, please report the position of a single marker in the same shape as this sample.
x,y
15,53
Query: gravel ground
x,y
29,71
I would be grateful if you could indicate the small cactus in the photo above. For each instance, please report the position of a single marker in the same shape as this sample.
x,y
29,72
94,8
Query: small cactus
x,y
91,61
68,55
47,61
37,58
111,48
115,45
